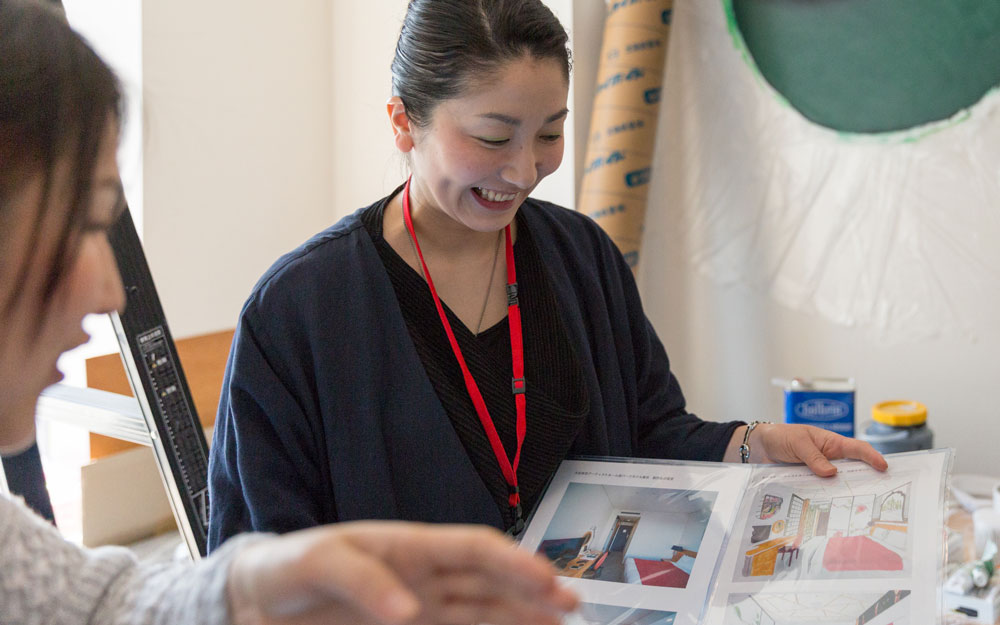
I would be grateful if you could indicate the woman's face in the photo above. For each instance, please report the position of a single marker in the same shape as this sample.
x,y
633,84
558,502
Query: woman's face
x,y
33,333
484,152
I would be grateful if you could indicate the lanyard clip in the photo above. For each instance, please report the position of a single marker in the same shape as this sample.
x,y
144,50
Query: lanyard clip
x,y
518,526
515,508
512,294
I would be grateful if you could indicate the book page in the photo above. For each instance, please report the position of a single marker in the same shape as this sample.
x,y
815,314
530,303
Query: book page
x,y
862,547
638,540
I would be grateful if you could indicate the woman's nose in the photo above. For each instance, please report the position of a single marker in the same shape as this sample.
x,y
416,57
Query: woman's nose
x,y
521,170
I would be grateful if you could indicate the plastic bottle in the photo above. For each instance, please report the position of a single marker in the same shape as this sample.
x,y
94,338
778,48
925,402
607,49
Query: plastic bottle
x,y
897,426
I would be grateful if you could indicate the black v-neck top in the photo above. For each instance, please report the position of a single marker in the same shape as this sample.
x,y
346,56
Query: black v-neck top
x,y
328,413
556,396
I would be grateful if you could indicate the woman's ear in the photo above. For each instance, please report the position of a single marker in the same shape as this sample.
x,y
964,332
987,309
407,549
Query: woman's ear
x,y
400,121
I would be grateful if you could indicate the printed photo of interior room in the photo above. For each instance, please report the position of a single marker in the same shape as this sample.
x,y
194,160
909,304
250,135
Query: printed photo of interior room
x,y
632,535
827,533
601,614
888,608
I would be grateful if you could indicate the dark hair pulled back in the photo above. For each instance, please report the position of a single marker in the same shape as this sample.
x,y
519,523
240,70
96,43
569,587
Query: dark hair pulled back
x,y
447,45
56,98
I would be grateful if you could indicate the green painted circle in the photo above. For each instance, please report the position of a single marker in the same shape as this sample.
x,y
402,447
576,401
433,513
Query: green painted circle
x,y
872,66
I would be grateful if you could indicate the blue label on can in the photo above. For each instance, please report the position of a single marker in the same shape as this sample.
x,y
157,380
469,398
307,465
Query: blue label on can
x,y
831,410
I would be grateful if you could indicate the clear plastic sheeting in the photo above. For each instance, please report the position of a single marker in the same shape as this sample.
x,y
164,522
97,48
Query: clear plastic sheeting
x,y
638,540
897,232
660,542
862,547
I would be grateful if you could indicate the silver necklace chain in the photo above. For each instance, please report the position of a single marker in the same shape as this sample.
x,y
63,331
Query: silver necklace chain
x,y
489,285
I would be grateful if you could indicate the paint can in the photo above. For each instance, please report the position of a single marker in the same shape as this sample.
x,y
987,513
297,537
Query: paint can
x,y
827,403
897,426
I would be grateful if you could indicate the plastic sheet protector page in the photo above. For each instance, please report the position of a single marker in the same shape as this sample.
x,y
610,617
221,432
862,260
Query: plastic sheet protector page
x,y
647,542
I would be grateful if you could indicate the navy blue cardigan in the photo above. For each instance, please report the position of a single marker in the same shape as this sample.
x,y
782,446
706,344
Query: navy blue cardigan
x,y
328,415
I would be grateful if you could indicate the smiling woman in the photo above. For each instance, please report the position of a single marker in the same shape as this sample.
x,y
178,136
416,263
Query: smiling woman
x,y
398,366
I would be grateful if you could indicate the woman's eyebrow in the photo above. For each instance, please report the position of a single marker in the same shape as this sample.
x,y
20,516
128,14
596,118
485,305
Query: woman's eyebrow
x,y
513,121
557,116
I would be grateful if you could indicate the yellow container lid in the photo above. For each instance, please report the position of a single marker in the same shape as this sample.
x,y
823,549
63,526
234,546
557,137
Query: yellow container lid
x,y
900,413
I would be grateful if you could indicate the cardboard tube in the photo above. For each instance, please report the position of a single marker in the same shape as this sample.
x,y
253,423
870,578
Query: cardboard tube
x,y
627,98
645,13
610,129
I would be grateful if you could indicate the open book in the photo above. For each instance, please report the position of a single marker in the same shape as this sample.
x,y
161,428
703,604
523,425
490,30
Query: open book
x,y
648,542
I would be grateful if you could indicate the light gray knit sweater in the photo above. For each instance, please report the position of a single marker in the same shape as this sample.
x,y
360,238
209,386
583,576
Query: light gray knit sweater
x,y
46,580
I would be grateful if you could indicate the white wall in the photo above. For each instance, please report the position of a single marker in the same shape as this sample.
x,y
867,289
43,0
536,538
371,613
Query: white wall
x,y
114,29
560,186
366,165
726,342
655,533
583,506
238,147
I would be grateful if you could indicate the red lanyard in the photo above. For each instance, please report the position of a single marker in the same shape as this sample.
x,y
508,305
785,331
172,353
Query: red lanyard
x,y
517,352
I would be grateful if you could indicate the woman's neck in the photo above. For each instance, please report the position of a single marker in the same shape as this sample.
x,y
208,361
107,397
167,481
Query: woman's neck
x,y
439,235
468,266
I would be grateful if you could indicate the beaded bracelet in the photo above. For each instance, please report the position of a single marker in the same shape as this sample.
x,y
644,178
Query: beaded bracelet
x,y
745,447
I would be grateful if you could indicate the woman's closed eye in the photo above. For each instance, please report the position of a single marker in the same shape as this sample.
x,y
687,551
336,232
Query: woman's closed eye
x,y
493,141
551,138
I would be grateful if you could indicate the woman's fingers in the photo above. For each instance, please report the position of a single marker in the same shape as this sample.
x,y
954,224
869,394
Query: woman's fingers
x,y
435,551
470,597
340,572
294,577
388,572
808,452
860,450
496,613
816,447
457,570
456,593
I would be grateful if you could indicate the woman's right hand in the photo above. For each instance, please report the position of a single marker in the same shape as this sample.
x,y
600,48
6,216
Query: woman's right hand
x,y
393,572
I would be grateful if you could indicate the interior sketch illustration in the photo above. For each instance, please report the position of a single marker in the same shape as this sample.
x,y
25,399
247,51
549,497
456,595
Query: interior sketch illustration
x,y
600,614
824,533
648,536
888,608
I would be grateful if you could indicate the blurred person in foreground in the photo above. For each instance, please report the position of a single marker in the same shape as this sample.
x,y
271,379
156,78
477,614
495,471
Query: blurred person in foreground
x,y
59,194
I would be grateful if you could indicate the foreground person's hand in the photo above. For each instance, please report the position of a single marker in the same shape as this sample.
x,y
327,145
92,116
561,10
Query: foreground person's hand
x,y
392,572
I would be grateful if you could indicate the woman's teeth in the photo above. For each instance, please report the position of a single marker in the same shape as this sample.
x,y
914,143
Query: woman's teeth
x,y
493,196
